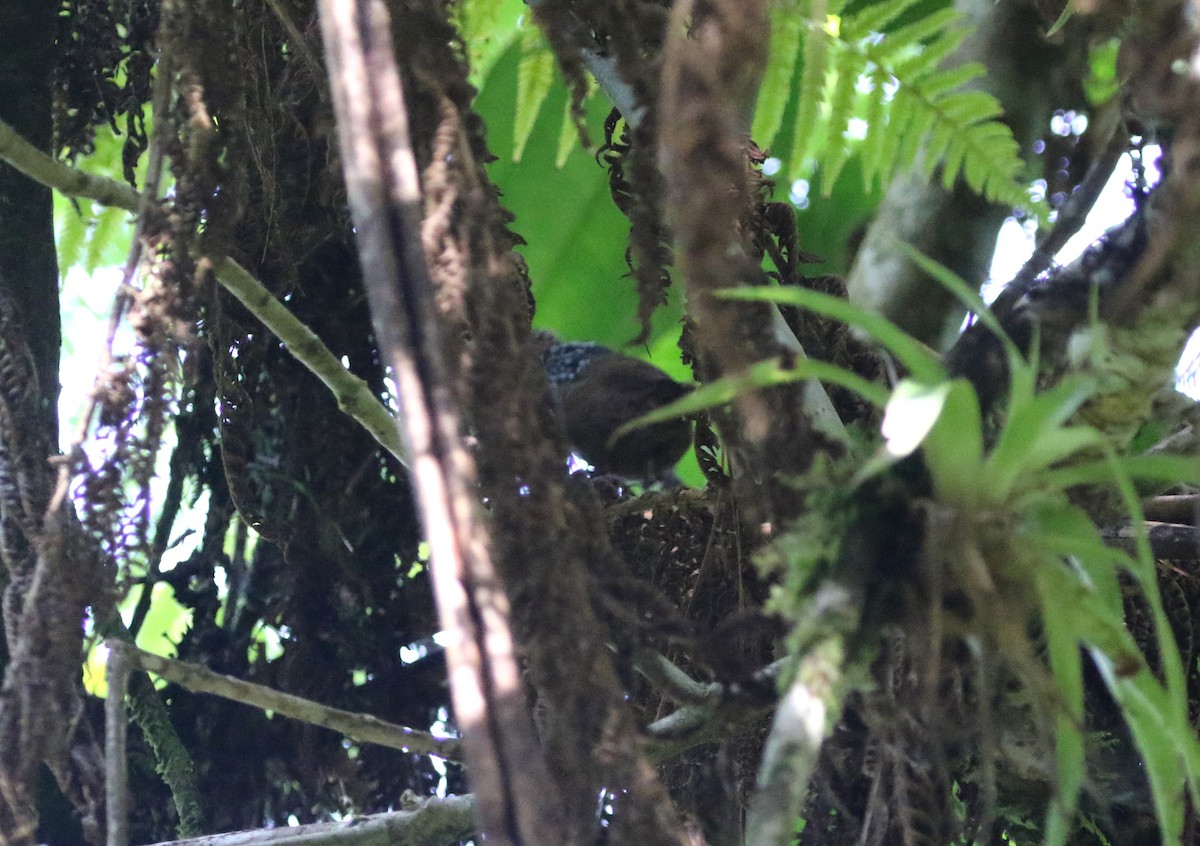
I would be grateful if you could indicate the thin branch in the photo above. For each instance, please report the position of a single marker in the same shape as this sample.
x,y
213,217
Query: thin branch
x,y
299,43
116,761
717,709
1179,508
354,395
361,727
1168,541
433,821
65,179
1076,209
671,681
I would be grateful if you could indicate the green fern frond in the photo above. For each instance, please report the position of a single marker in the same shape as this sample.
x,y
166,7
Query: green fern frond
x,y
841,109
918,114
787,31
875,18
812,82
873,145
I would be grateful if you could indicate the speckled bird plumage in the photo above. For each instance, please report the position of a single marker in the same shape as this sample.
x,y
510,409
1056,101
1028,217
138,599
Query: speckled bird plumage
x,y
597,390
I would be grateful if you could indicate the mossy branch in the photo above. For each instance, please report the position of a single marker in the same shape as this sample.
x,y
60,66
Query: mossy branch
x,y
361,727
354,395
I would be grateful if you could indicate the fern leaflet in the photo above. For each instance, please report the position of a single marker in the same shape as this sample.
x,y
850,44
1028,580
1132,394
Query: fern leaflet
x,y
918,113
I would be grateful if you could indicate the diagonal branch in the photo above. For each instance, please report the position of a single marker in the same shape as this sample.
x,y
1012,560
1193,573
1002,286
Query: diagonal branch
x,y
354,395
360,727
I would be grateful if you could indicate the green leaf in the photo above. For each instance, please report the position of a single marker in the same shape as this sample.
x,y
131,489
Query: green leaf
x,y
921,362
927,27
108,240
1031,437
947,81
915,132
535,75
1147,575
1067,12
910,415
1101,83
488,28
568,135
917,65
765,374
70,234
954,449
1141,702
1062,647
1166,469
1060,529
877,131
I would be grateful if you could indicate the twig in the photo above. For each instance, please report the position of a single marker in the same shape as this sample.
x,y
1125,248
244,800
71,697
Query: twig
x,y
1075,210
65,179
1168,541
116,761
671,681
361,727
299,43
1179,508
354,395
717,710
446,820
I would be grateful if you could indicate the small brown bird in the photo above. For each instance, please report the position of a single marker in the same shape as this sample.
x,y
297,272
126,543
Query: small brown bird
x,y
598,390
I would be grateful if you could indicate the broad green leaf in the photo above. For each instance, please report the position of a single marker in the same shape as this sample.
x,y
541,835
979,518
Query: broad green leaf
x,y
954,449
535,75
910,415
488,27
